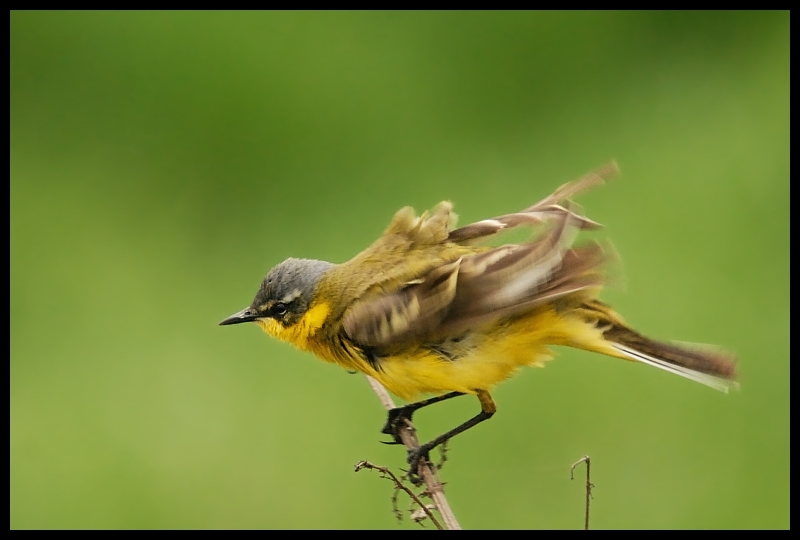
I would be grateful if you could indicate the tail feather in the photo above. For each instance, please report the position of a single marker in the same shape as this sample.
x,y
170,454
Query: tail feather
x,y
704,365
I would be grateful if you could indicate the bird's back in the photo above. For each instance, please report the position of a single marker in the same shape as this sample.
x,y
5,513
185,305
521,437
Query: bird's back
x,y
408,249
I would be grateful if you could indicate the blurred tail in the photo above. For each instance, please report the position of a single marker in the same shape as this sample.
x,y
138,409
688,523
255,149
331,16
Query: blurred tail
x,y
712,368
703,364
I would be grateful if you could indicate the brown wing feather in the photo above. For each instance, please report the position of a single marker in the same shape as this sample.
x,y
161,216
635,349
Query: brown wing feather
x,y
482,286
545,210
477,289
409,312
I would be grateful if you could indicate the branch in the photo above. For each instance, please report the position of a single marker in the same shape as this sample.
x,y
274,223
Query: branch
x,y
426,471
398,485
589,485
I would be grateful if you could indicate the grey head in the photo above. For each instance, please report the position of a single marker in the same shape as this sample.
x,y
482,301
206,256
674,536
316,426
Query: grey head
x,y
286,292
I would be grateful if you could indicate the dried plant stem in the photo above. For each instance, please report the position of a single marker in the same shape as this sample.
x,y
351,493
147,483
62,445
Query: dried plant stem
x,y
426,471
400,486
589,485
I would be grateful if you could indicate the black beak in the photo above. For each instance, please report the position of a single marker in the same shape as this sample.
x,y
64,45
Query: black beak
x,y
246,315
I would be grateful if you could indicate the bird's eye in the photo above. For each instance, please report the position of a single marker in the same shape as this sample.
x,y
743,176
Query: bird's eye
x,y
279,309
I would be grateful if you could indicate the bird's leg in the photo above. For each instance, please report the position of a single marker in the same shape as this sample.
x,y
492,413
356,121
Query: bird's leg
x,y
396,417
415,456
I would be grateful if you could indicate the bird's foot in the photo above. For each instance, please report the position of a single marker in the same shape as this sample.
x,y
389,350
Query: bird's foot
x,y
396,419
417,456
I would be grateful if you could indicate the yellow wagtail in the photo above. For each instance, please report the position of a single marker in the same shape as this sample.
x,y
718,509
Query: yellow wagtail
x,y
424,310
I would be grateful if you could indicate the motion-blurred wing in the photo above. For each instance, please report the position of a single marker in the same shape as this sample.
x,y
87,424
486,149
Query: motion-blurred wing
x,y
476,289
547,209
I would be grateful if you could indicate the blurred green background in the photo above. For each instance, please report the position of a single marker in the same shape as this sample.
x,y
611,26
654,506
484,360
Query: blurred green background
x,y
161,163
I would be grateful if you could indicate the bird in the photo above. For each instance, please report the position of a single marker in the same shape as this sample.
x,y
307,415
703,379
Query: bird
x,y
433,310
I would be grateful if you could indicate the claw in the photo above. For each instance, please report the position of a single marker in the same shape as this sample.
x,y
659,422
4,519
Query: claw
x,y
414,457
394,421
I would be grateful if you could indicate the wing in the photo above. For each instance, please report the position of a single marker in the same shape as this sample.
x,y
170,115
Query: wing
x,y
412,246
468,288
545,210
476,289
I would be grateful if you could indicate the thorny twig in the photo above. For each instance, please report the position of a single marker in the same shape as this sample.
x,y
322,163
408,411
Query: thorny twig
x,y
442,455
398,485
426,470
589,485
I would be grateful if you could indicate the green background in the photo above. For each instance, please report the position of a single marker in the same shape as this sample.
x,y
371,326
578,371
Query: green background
x,y
161,163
